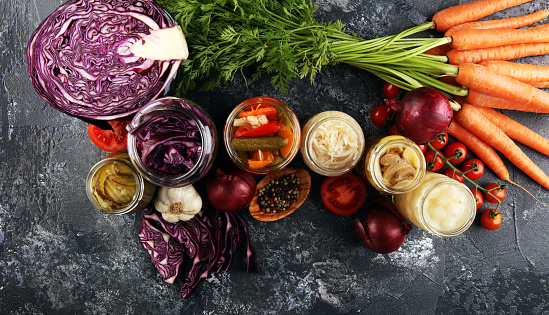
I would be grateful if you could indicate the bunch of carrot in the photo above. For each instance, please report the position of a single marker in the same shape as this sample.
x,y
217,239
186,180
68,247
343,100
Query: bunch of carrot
x,y
481,50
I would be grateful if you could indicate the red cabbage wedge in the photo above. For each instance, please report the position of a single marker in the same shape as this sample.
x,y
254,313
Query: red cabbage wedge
x,y
104,59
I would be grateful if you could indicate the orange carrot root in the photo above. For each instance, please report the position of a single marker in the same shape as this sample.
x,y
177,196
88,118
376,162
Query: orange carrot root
x,y
505,52
470,11
484,80
480,99
474,121
474,38
516,130
523,72
512,22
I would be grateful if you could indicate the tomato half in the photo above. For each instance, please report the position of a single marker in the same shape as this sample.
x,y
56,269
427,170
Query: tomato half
x,y
456,152
381,115
473,169
497,190
490,219
434,163
109,140
343,194
479,199
390,90
440,141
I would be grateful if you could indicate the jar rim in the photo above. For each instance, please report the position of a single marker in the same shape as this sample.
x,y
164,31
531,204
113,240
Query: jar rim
x,y
139,189
308,137
471,201
377,151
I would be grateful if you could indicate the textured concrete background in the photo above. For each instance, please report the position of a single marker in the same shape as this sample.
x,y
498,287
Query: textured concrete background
x,y
60,256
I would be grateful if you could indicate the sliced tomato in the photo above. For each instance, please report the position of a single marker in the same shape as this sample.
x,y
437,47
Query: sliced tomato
x,y
110,140
343,194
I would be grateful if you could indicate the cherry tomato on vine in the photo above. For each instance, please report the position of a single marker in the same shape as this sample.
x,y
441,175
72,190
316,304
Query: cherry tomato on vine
x,y
490,219
392,130
497,190
422,147
440,141
390,90
381,115
473,169
433,164
456,152
109,140
343,194
456,176
478,197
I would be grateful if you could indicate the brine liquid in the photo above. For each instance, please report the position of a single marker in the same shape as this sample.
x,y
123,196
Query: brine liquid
x,y
446,208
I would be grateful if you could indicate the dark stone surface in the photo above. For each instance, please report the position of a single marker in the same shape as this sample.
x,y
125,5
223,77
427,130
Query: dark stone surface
x,y
60,256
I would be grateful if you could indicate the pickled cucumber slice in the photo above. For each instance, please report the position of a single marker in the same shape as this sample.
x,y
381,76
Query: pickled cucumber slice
x,y
268,143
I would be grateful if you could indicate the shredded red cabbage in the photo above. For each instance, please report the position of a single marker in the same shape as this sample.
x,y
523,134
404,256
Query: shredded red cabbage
x,y
79,63
168,142
210,239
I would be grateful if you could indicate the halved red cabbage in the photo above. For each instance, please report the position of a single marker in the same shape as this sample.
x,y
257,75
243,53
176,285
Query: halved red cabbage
x,y
211,238
79,62
168,142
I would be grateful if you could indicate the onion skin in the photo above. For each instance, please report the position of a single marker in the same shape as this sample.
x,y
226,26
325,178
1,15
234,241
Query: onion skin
x,y
422,114
383,230
230,190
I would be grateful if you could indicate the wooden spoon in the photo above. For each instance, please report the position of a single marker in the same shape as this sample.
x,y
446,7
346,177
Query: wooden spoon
x,y
305,180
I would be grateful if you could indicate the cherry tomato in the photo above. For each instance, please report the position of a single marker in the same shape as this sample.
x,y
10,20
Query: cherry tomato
x,y
390,90
433,164
422,147
392,130
381,115
456,152
440,141
109,140
478,197
497,190
490,219
456,176
343,194
473,169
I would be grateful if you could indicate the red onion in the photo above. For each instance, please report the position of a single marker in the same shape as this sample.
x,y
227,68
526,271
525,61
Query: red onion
x,y
230,190
422,114
383,229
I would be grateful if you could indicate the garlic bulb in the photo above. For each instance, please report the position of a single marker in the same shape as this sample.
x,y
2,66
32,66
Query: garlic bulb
x,y
180,203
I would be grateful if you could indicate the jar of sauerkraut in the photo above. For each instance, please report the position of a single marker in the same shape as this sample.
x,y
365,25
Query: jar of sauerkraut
x,y
440,205
392,164
332,143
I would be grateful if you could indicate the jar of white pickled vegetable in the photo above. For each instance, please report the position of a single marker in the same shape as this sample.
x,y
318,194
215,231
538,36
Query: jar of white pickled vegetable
x,y
332,143
440,205
392,164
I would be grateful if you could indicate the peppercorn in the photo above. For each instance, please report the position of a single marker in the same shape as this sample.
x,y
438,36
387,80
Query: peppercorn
x,y
283,191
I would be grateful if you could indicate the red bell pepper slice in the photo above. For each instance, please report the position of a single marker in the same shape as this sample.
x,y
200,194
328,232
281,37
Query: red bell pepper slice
x,y
268,111
263,130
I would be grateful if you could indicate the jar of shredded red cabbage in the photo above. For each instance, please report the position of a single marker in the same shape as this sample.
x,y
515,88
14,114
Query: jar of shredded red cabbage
x,y
172,142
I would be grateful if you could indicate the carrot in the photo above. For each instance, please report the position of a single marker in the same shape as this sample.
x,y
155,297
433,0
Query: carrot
x,y
523,72
484,100
470,11
472,119
540,85
516,130
505,52
475,38
484,152
484,80
512,22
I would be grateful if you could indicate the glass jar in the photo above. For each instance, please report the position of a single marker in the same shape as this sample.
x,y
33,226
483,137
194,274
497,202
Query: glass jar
x,y
332,143
172,142
280,157
392,164
114,186
440,205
